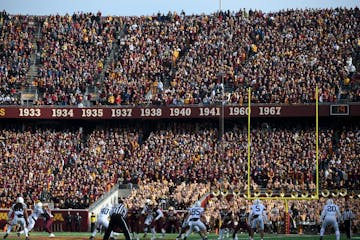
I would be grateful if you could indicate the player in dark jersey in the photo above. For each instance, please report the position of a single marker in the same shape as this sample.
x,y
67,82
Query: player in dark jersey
x,y
153,218
135,220
172,221
225,223
240,222
48,220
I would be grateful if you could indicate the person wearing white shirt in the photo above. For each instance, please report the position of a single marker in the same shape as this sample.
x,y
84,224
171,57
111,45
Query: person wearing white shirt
x,y
329,216
195,222
257,218
102,220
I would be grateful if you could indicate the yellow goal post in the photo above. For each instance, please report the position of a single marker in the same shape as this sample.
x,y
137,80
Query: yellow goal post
x,y
285,198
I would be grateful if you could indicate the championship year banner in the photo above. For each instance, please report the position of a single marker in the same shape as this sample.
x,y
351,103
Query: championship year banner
x,y
168,112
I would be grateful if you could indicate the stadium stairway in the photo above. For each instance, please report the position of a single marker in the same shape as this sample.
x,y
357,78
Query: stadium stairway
x,y
118,190
33,71
93,90
110,58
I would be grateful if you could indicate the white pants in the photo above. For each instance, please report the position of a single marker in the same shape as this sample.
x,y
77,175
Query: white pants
x,y
18,220
257,221
198,223
148,220
101,222
330,221
31,223
185,223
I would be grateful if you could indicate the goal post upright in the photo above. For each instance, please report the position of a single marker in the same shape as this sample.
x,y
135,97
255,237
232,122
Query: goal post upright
x,y
249,143
285,199
317,139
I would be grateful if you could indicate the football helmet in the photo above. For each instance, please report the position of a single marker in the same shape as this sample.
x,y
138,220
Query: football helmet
x,y
20,200
197,204
39,205
329,201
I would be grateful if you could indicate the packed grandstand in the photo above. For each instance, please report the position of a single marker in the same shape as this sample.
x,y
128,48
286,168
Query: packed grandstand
x,y
90,60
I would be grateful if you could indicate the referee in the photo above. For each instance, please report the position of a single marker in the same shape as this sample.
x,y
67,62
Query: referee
x,y
117,219
347,217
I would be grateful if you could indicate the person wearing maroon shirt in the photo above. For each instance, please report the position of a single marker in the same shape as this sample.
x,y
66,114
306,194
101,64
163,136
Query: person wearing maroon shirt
x,y
241,217
48,220
172,222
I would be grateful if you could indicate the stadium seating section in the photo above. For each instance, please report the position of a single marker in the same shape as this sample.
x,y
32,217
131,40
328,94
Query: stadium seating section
x,y
90,59
74,166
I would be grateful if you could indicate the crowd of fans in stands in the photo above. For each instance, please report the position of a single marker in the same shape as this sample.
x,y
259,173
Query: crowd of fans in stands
x,y
40,162
16,49
73,50
177,59
183,59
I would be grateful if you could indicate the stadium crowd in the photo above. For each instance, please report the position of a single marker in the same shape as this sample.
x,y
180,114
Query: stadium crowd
x,y
185,59
41,161
73,50
177,59
16,49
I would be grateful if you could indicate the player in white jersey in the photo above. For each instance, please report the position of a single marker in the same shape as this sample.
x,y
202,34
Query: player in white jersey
x,y
18,210
195,222
37,212
102,220
184,226
257,218
330,215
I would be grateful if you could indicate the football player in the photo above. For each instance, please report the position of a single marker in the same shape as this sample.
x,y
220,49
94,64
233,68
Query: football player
x,y
257,218
102,220
135,220
185,226
18,210
36,213
48,220
330,216
225,222
241,223
153,216
195,214
172,221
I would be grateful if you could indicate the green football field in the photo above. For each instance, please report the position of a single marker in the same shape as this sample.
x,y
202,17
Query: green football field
x,y
84,236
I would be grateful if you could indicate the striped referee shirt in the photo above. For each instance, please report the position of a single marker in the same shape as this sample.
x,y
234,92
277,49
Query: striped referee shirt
x,y
119,210
348,215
